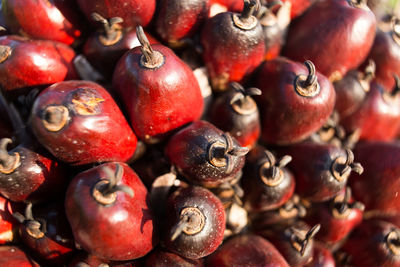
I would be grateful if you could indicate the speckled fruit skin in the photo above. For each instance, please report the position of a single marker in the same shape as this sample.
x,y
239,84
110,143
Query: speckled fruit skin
x,y
286,116
85,138
157,100
210,237
14,256
230,53
346,34
162,258
119,231
43,19
247,250
133,12
377,117
178,19
378,187
35,63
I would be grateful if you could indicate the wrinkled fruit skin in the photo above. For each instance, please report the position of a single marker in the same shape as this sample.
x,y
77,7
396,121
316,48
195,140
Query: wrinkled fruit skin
x,y
133,12
286,116
35,63
346,32
95,125
43,19
157,100
247,250
119,231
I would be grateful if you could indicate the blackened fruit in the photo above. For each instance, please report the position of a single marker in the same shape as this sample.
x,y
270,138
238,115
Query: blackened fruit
x,y
195,222
233,46
79,123
107,208
205,155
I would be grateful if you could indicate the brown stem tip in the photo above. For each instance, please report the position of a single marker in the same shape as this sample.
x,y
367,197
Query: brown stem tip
x,y
5,52
271,172
342,166
111,28
191,222
242,102
8,162
307,85
393,241
150,59
246,20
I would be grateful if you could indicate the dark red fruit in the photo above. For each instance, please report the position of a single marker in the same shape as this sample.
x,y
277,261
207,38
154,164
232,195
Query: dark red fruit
x,y
8,224
321,170
266,182
48,234
233,46
107,208
26,63
43,19
236,112
229,5
378,117
14,256
297,7
87,260
294,103
160,92
79,123
353,89
374,243
338,217
105,47
385,52
247,250
195,222
178,19
133,12
322,257
161,258
347,38
205,155
26,175
378,187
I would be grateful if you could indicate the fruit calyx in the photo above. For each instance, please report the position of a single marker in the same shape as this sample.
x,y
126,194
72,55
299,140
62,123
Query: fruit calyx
x,y
222,154
396,29
307,85
246,20
358,4
271,172
8,162
266,14
332,129
191,222
393,241
300,239
342,166
293,208
111,31
366,77
34,228
5,52
341,207
105,191
54,118
150,59
242,102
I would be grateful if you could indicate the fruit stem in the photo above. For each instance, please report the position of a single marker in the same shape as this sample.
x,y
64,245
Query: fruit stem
x,y
341,167
8,162
191,222
307,86
248,10
111,28
241,101
271,171
33,227
151,59
299,242
393,241
5,52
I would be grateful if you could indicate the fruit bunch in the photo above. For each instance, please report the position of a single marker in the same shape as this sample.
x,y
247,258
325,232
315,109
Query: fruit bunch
x,y
199,133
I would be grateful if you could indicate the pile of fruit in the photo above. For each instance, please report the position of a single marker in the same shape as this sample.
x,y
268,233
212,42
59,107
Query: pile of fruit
x,y
199,133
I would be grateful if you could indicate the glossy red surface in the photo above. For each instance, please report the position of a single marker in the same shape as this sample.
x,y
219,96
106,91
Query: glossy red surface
x,y
8,224
14,256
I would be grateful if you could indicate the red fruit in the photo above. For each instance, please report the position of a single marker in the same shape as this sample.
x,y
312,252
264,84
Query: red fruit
x,y
26,63
26,175
42,19
133,12
346,38
297,7
321,170
205,155
266,182
378,116
8,224
230,5
161,258
338,217
160,92
378,187
107,208
294,103
14,256
105,47
79,123
195,222
178,19
385,52
247,250
233,46
236,112
83,258
48,235
322,257
374,243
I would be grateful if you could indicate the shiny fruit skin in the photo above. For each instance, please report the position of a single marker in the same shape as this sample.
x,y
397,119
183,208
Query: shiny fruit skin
x,y
90,133
119,231
14,256
157,100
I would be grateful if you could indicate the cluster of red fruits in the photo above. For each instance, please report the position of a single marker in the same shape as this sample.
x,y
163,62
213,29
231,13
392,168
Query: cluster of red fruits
x,y
244,133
